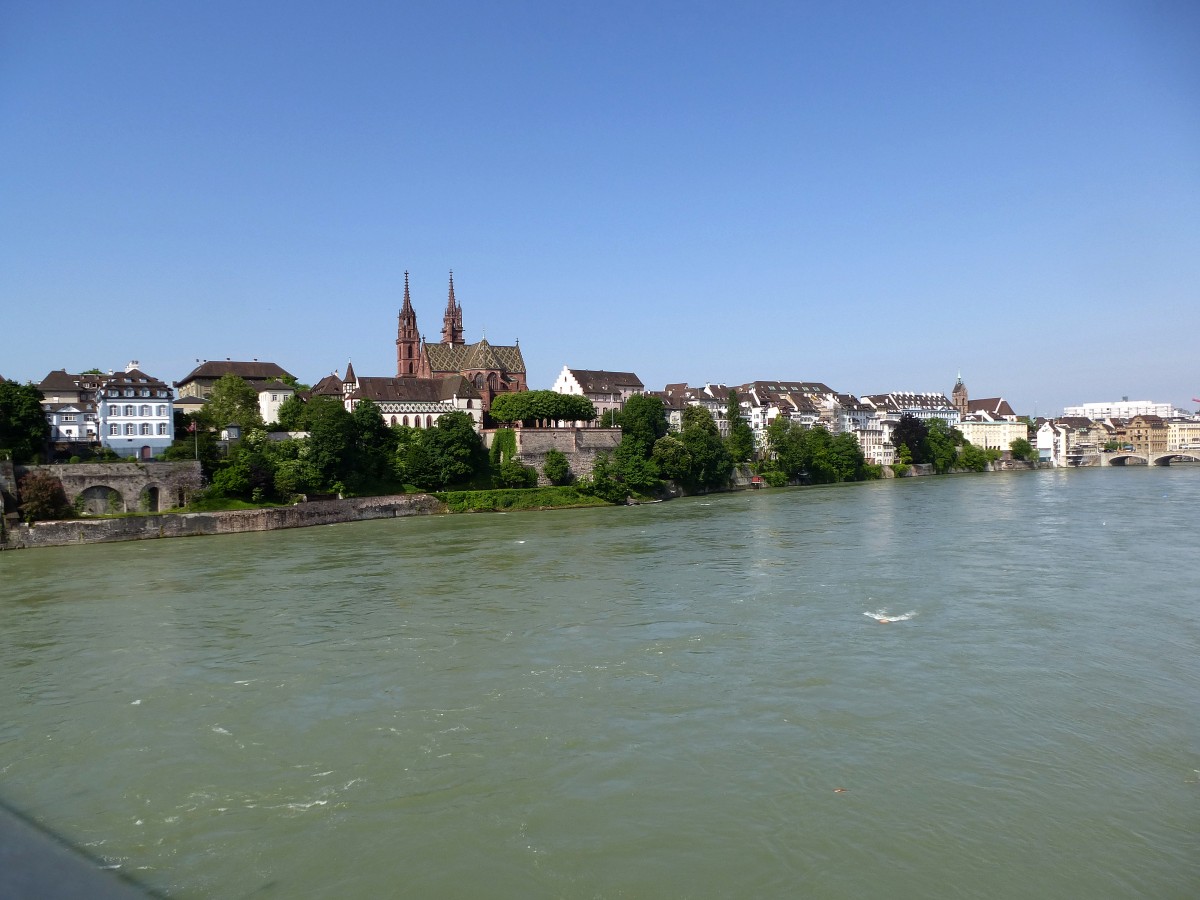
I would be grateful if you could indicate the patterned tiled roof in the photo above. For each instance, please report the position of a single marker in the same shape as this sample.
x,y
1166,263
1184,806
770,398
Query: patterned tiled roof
x,y
447,358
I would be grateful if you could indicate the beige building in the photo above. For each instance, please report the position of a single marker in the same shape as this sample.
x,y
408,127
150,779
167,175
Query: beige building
x,y
992,434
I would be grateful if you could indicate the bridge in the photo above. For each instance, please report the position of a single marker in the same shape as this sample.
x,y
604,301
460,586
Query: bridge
x,y
1164,458
100,488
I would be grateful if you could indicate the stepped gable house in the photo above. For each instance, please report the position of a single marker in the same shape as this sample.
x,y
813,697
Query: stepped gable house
x,y
490,368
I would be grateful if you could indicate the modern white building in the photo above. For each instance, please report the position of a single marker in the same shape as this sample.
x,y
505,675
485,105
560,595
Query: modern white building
x,y
1122,409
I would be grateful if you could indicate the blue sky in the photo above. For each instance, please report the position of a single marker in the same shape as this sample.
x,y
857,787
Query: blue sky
x,y
872,195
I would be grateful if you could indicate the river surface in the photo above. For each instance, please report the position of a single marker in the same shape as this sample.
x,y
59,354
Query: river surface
x,y
688,699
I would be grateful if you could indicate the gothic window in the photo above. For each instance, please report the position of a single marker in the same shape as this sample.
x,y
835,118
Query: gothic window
x,y
393,420
406,421
429,421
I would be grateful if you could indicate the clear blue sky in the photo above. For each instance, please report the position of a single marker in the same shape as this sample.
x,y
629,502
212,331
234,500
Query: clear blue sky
x,y
873,195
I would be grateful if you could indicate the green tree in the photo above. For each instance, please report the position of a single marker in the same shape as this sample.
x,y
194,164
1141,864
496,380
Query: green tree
x,y
604,482
1022,449
331,438
643,419
974,459
233,402
374,443
672,458
42,497
24,430
456,452
512,474
711,463
532,407
291,414
741,435
912,432
634,466
556,467
941,445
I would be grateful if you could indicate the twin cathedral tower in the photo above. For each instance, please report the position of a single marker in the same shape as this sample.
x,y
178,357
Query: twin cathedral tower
x,y
491,369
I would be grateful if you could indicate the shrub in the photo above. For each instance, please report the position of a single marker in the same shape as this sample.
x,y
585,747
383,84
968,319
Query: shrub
x,y
43,497
556,468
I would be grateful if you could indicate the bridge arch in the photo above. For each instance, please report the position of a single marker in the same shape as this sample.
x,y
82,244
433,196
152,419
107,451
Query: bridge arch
x,y
1164,459
1126,457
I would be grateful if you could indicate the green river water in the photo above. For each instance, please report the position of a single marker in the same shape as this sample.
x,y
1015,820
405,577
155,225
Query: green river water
x,y
687,699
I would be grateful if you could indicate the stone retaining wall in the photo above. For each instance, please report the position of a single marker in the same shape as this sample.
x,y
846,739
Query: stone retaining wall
x,y
141,528
579,445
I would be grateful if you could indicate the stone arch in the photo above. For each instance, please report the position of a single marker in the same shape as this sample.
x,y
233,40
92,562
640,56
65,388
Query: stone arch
x,y
101,500
148,500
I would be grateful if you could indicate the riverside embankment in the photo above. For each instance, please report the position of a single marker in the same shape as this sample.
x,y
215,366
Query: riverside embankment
x,y
166,525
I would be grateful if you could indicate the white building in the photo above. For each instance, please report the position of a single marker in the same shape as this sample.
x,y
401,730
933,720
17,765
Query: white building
x,y
1123,409
134,413
606,390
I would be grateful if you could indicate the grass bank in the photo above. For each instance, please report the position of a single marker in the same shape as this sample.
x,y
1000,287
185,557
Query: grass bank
x,y
497,499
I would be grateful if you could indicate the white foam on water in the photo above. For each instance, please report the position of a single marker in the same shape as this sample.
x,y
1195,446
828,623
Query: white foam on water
x,y
882,615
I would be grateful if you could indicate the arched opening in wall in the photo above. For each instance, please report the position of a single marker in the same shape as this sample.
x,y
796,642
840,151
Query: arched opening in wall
x,y
148,501
429,421
393,420
100,500
147,453
406,421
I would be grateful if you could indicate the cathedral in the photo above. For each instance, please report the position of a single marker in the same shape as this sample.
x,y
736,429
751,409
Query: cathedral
x,y
491,368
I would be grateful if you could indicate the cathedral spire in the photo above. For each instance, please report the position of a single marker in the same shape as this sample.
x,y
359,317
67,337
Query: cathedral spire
x,y
408,338
452,327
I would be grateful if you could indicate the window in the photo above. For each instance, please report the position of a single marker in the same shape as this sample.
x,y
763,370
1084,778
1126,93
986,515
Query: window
x,y
145,392
406,421
160,410
68,418
131,429
429,421
130,411
145,428
114,430
162,427
128,392
144,412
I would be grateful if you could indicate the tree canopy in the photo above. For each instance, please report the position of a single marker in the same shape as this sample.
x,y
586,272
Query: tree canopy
x,y
534,406
234,401
815,454
24,430
741,435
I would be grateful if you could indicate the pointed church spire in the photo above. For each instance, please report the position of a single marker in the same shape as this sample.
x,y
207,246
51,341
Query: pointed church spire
x,y
408,338
349,372
452,328
407,307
